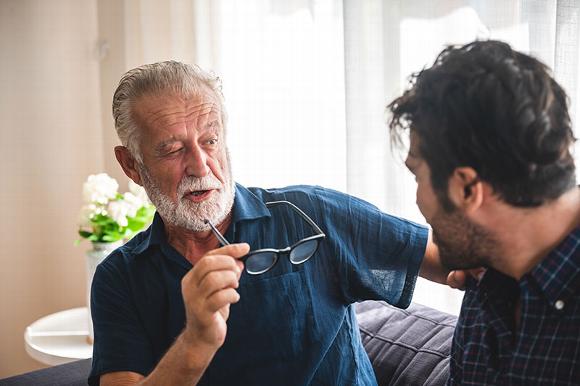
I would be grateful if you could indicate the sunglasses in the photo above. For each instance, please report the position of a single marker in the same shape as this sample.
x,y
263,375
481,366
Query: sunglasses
x,y
262,260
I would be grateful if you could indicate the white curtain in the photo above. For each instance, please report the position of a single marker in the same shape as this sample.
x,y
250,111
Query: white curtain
x,y
307,81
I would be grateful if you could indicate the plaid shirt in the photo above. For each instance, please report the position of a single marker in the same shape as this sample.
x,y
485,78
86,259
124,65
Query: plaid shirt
x,y
545,348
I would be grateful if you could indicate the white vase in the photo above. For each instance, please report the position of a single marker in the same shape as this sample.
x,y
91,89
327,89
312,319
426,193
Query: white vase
x,y
93,257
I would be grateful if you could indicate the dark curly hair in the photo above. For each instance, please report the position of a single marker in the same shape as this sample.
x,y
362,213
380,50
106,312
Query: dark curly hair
x,y
496,110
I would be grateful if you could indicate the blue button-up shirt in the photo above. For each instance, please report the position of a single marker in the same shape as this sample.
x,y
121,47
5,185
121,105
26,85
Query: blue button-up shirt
x,y
544,349
294,324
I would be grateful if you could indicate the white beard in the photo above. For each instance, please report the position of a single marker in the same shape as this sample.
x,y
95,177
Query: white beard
x,y
185,213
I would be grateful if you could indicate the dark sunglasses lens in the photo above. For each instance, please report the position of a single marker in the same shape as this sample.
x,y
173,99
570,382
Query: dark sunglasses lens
x,y
303,252
260,262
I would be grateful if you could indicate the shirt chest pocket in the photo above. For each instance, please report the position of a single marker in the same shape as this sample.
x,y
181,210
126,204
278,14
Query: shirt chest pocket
x,y
274,319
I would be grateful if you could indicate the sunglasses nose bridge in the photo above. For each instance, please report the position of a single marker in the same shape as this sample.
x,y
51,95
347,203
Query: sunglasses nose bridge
x,y
285,250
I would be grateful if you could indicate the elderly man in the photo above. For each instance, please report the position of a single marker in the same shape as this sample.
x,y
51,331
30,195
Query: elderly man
x,y
162,304
490,149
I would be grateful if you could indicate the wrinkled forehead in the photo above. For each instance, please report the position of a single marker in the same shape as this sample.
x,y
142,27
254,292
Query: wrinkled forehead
x,y
166,109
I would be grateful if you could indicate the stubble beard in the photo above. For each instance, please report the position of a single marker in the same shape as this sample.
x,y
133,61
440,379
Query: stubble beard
x,y
462,244
188,214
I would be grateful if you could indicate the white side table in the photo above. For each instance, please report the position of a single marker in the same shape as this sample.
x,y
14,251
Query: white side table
x,y
60,337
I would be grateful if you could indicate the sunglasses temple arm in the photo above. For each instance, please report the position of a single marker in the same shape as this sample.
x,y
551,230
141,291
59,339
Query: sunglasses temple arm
x,y
217,234
300,212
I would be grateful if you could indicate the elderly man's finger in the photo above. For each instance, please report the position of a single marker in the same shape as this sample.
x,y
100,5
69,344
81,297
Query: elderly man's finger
x,y
208,264
216,281
221,299
233,250
457,279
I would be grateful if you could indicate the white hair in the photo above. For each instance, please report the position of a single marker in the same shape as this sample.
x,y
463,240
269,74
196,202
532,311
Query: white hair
x,y
170,76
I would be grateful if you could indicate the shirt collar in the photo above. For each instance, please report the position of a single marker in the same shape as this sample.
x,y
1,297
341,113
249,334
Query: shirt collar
x,y
154,236
247,206
558,275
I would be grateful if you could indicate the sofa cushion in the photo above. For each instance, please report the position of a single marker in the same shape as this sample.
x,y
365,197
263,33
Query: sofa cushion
x,y
71,374
406,347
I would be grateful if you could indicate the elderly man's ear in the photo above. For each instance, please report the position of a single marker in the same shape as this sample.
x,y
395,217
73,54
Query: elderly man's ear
x,y
128,163
465,189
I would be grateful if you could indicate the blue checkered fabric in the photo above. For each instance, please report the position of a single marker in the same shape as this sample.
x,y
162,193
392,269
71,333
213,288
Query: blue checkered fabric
x,y
544,348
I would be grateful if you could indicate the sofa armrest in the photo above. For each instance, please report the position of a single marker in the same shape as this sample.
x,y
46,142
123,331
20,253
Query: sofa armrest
x,y
70,374
406,347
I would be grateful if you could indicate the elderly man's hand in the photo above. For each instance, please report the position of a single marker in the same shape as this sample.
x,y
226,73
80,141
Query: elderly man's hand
x,y
457,279
208,289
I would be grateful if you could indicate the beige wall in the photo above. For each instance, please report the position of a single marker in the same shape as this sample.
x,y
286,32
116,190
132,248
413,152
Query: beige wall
x,y
51,138
111,48
60,61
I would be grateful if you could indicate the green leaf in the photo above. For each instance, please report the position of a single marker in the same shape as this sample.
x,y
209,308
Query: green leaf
x,y
112,237
84,234
135,224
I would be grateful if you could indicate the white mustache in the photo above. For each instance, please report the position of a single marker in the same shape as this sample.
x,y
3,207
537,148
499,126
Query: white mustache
x,y
190,184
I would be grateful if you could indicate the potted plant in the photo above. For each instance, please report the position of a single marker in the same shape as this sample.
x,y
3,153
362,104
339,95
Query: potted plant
x,y
108,219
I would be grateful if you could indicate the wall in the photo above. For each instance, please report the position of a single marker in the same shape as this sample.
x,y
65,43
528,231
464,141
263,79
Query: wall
x,y
50,140
60,62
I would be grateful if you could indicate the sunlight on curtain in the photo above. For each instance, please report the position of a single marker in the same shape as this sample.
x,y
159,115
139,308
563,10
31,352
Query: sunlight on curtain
x,y
307,81
283,69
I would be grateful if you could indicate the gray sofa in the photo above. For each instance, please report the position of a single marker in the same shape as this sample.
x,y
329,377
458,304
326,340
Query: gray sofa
x,y
406,347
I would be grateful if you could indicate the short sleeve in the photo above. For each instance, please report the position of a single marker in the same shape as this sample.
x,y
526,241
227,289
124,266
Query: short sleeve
x,y
120,341
378,255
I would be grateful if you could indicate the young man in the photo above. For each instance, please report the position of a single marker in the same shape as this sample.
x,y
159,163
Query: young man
x,y
490,147
173,308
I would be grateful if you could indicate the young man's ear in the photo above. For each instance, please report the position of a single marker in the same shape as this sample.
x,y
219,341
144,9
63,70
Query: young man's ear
x,y
465,189
128,163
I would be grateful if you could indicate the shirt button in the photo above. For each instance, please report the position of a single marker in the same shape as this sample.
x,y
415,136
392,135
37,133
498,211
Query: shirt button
x,y
559,305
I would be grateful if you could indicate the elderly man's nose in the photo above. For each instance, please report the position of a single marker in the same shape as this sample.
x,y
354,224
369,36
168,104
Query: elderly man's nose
x,y
197,164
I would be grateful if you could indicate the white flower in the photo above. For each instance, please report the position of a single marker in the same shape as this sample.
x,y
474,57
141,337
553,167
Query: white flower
x,y
118,210
99,189
86,214
89,211
105,210
133,203
139,192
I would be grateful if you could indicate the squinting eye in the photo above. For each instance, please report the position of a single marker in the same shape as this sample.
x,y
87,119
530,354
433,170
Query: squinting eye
x,y
175,151
212,141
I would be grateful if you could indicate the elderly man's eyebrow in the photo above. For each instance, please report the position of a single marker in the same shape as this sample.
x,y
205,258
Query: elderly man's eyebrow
x,y
212,124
